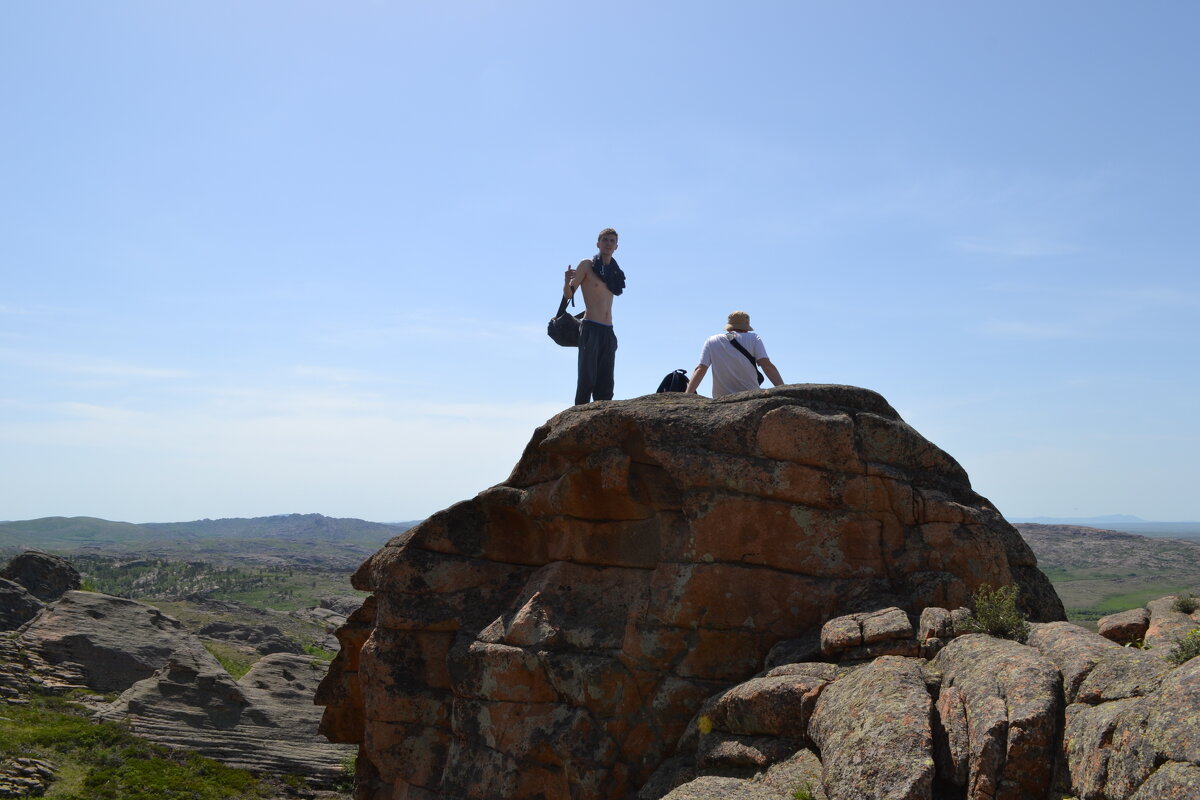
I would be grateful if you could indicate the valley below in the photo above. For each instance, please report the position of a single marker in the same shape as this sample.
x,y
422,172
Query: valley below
x,y
277,588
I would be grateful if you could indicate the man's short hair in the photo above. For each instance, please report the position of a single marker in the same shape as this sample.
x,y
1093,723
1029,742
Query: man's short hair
x,y
601,234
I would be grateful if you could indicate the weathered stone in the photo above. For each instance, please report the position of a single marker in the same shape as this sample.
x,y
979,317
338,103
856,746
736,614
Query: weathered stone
x,y
116,642
772,706
1171,781
1121,673
935,623
1105,748
791,651
264,639
47,577
872,728
727,751
890,623
781,781
1072,649
1167,625
17,605
1009,704
869,635
1125,627
643,556
192,703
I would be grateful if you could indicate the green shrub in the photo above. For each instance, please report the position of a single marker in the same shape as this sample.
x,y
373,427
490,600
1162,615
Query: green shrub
x,y
805,792
345,781
1185,649
1185,603
105,762
995,613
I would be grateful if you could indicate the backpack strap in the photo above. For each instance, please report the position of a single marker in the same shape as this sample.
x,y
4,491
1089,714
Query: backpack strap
x,y
731,337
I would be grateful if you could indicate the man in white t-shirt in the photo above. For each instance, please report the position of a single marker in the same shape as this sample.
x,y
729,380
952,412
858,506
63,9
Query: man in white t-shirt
x,y
732,370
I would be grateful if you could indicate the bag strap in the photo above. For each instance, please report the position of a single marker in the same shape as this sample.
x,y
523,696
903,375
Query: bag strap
x,y
732,339
562,307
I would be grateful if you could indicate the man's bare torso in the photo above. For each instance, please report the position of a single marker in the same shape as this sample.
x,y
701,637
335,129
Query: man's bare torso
x,y
596,297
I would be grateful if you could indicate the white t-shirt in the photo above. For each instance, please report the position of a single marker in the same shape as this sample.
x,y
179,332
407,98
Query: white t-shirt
x,y
732,371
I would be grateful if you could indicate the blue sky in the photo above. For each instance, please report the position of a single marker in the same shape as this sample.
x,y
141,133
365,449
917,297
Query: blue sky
x,y
275,257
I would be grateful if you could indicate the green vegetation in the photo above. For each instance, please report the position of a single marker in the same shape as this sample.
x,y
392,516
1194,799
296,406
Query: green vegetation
x,y
349,770
996,613
280,588
1185,649
317,652
105,762
805,792
236,661
1185,603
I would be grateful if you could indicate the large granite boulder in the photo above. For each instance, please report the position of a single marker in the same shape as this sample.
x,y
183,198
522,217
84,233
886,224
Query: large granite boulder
x,y
108,643
553,636
46,576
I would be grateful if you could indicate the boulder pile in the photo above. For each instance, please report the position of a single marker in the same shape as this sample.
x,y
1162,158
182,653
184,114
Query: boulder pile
x,y
556,636
1070,714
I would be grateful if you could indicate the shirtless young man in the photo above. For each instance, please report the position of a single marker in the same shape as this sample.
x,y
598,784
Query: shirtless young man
x,y
601,280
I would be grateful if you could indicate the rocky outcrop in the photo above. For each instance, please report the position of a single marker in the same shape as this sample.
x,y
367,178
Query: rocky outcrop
x,y
15,682
873,731
264,639
264,722
47,577
108,643
997,727
26,777
17,605
1125,627
553,636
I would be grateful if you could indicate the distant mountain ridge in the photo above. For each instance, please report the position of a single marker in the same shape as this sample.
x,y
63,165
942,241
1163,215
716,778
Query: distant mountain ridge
x,y
1124,523
316,535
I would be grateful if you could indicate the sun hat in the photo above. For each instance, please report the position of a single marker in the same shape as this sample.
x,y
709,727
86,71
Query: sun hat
x,y
738,321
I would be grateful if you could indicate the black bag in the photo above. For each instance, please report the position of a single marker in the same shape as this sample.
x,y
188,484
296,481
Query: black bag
x,y
676,381
733,341
564,328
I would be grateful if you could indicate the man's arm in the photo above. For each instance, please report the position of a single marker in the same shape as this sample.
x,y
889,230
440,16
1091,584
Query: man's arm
x,y
574,277
697,376
770,371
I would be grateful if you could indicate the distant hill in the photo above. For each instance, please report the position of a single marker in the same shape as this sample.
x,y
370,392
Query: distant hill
x,y
1097,571
298,538
1120,522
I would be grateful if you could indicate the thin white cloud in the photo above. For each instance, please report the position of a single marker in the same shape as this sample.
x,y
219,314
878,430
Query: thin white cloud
x,y
1155,297
1022,329
92,366
333,374
1017,247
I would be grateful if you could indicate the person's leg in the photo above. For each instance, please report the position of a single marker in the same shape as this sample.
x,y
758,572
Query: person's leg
x,y
586,381
606,361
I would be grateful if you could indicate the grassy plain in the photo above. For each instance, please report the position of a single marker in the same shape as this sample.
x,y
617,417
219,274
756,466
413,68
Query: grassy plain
x,y
1098,572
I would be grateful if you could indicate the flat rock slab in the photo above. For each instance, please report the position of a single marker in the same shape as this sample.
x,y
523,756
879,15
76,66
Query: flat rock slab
x,y
873,731
1070,648
118,642
265,722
